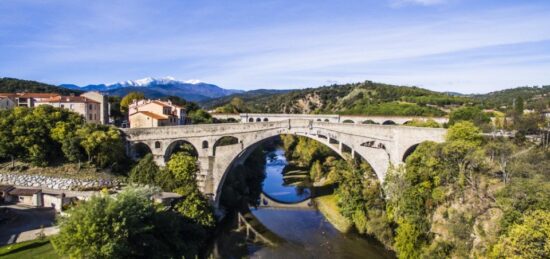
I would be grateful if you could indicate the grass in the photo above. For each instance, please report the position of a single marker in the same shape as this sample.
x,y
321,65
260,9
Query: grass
x,y
328,205
42,249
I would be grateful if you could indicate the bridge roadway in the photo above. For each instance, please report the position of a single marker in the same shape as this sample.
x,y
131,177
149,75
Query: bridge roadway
x,y
379,145
334,118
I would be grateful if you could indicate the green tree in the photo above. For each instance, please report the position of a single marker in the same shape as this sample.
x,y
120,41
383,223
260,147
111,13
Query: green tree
x,y
128,226
472,114
195,207
145,171
199,116
130,98
528,239
184,169
519,106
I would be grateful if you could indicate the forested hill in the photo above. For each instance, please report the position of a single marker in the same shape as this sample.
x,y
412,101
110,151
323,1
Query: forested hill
x,y
534,97
368,98
12,85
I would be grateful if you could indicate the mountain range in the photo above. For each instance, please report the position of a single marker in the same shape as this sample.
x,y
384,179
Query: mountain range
x,y
193,90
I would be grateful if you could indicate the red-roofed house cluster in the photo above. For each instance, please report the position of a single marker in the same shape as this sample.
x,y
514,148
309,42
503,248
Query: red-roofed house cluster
x,y
155,113
93,106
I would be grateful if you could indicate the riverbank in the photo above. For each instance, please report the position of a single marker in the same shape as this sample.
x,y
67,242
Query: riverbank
x,y
328,206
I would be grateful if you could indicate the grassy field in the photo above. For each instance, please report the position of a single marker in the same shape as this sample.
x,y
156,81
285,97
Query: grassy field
x,y
42,249
328,205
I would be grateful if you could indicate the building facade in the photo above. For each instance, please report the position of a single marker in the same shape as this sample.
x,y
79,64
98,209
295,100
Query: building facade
x,y
88,108
93,106
155,113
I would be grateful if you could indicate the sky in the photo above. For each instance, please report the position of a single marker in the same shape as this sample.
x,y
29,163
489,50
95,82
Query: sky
x,y
468,46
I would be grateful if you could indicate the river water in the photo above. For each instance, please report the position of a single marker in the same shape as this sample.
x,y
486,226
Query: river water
x,y
307,233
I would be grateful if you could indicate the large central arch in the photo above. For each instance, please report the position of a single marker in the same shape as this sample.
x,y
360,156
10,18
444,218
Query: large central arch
x,y
240,157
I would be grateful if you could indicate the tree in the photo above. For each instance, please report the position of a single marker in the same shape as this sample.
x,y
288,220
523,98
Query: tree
x,y
184,169
528,239
472,114
518,106
130,98
145,172
195,207
500,152
125,226
199,116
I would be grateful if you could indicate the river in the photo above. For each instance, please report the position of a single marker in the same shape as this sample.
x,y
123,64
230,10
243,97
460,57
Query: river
x,y
307,233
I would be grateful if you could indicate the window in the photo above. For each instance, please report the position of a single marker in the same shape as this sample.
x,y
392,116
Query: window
x,y
205,144
91,107
89,117
157,144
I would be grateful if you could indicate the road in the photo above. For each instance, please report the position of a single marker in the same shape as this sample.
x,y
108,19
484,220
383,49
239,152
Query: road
x,y
20,219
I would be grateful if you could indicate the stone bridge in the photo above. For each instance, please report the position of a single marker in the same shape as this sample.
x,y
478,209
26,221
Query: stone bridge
x,y
334,118
379,145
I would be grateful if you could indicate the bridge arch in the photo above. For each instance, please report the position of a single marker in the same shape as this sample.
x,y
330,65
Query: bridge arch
x,y
348,121
224,141
389,122
180,146
369,121
409,151
258,119
343,150
139,150
251,120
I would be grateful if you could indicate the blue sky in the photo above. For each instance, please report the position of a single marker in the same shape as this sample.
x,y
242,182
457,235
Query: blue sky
x,y
446,45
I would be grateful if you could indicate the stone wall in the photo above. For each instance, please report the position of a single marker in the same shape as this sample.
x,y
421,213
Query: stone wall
x,y
51,182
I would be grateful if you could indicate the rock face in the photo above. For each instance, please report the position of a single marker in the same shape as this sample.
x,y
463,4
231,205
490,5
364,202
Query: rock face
x,y
54,182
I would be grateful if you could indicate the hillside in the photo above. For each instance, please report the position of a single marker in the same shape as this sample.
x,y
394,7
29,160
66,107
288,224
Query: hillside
x,y
367,98
534,97
12,85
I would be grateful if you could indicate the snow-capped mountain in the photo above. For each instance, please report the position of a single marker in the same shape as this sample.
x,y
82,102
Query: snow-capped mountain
x,y
193,90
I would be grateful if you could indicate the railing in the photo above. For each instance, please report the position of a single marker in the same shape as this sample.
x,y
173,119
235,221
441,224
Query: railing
x,y
250,231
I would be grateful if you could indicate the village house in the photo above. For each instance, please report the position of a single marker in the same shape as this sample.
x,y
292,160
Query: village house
x,y
93,106
27,197
88,108
6,102
155,113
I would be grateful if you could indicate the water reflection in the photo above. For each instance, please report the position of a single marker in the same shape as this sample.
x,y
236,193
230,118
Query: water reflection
x,y
275,185
307,233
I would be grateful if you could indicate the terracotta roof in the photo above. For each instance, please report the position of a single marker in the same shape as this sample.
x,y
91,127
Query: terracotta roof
x,y
24,192
70,99
161,103
8,94
5,188
37,95
153,115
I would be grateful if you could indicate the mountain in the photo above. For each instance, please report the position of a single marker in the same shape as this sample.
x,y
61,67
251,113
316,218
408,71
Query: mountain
x,y
366,98
192,90
13,85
